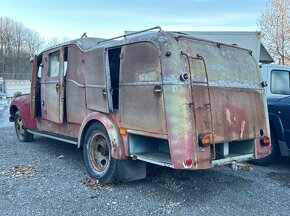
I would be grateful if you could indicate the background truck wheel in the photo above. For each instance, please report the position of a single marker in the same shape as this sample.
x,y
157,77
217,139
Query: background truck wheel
x,y
97,154
275,154
21,131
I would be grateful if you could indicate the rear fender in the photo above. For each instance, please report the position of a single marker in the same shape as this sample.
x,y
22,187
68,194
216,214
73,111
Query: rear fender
x,y
112,129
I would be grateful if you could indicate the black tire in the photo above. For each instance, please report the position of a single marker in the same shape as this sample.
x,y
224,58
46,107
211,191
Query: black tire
x,y
97,154
273,156
21,131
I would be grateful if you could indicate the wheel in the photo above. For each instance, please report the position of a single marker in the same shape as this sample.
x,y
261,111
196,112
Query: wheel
x,y
274,155
21,131
97,154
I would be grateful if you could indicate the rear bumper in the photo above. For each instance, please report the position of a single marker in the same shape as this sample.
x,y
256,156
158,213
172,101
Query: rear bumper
x,y
230,160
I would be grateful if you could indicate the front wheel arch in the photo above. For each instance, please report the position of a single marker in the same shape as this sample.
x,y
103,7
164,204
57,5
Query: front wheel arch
x,y
13,110
22,134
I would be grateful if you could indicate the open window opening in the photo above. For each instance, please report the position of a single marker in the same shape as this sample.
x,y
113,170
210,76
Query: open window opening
x,y
54,61
38,87
65,54
114,62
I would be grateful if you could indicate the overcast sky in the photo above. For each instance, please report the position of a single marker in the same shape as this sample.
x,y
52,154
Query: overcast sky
x,y
63,18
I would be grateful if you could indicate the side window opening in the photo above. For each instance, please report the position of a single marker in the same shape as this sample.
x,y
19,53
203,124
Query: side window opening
x,y
65,61
280,82
114,63
53,70
38,87
39,66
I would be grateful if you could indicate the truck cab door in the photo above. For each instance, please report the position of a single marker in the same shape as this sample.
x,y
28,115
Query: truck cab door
x,y
98,81
52,91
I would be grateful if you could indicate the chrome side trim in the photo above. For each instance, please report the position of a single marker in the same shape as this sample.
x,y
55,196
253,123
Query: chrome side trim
x,y
85,86
51,82
155,135
76,83
95,86
53,137
140,83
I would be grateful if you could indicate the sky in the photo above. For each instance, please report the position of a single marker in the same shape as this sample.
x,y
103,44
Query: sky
x,y
105,19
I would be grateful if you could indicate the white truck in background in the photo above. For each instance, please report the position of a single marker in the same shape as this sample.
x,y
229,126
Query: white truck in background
x,y
277,77
250,40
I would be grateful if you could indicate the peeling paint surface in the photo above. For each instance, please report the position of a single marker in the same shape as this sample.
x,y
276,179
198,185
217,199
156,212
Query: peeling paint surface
x,y
222,97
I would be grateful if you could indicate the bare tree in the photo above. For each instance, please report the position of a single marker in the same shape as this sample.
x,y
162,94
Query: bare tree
x,y
52,42
275,25
6,43
17,44
33,42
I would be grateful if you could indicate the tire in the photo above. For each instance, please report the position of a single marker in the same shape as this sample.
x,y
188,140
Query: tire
x,y
273,156
97,154
21,131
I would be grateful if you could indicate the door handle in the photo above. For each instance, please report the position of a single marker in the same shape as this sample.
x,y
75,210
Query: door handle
x,y
104,92
157,91
56,87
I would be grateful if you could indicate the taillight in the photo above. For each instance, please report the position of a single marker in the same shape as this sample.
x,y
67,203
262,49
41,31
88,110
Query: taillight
x,y
204,140
184,76
187,163
265,141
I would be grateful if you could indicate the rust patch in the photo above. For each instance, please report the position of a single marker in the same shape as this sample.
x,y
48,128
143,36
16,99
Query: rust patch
x,y
22,171
242,128
228,115
235,122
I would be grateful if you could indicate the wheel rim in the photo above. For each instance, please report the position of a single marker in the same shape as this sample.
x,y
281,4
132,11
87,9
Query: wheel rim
x,y
20,127
99,152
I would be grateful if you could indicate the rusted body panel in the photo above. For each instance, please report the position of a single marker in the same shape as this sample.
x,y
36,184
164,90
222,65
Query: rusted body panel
x,y
95,78
76,109
134,84
68,129
141,108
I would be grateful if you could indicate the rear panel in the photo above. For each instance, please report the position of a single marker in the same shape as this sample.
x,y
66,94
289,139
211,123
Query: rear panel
x,y
222,98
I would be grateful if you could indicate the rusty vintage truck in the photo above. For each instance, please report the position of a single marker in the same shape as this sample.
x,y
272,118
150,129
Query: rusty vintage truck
x,y
147,97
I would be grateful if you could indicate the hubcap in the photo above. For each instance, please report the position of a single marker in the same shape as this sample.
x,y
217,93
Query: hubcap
x,y
99,152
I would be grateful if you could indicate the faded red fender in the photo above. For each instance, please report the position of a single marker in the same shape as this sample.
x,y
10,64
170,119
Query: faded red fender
x,y
113,132
22,103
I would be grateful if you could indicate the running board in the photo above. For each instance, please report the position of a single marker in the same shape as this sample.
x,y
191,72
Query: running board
x,y
160,159
52,136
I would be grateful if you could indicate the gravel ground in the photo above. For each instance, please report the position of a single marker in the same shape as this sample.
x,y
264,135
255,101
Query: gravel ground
x,y
47,177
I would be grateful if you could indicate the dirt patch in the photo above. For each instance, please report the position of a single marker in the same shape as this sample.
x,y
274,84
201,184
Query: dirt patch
x,y
22,171
91,183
